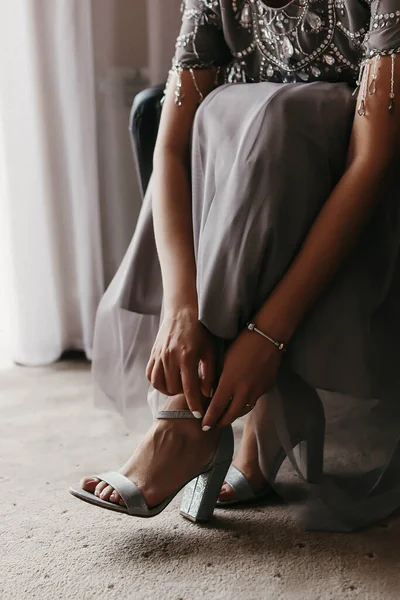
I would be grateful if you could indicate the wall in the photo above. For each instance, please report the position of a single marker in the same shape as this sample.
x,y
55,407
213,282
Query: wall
x,y
121,57
133,46
164,19
120,31
131,23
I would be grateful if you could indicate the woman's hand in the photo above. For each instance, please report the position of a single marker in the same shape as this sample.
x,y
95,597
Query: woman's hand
x,y
183,347
250,369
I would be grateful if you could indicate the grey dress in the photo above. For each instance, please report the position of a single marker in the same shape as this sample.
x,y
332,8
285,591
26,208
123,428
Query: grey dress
x,y
269,144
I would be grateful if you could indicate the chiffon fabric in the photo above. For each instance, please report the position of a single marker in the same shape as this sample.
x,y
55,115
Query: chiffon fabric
x,y
265,158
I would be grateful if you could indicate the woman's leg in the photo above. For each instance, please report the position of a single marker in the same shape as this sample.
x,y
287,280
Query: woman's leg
x,y
298,407
247,461
171,453
248,457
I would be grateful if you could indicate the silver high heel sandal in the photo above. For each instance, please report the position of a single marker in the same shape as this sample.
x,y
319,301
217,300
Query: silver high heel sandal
x,y
308,453
201,492
242,487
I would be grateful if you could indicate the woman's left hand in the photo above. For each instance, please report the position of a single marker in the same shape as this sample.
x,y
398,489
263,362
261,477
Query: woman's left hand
x,y
250,369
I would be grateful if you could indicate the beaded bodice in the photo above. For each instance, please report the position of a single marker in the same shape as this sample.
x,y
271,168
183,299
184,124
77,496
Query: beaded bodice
x,y
305,40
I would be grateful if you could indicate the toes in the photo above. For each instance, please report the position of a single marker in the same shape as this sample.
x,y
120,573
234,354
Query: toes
x,y
226,494
106,493
225,489
99,488
115,497
89,484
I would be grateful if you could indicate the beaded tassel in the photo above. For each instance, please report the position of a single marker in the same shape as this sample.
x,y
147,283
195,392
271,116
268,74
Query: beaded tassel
x,y
201,97
364,84
372,86
359,80
363,93
170,72
392,94
179,96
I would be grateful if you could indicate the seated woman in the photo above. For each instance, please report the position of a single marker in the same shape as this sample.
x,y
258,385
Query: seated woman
x,y
272,223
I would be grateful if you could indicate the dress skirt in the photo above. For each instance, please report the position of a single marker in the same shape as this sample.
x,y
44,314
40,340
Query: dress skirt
x,y
265,158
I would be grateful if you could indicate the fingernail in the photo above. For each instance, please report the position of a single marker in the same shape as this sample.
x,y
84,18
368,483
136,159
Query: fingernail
x,y
197,414
211,393
206,428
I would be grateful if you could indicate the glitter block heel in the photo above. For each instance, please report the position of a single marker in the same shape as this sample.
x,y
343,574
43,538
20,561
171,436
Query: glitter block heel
x,y
200,495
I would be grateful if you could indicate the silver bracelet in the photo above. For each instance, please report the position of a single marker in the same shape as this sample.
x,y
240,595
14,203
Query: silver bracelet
x,y
280,345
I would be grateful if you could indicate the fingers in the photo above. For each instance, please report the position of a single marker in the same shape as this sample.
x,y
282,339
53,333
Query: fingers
x,y
191,385
172,375
157,378
150,367
219,404
208,372
237,408
163,375
228,404
172,379
172,371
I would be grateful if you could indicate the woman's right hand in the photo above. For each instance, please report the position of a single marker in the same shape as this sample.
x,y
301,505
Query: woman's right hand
x,y
183,348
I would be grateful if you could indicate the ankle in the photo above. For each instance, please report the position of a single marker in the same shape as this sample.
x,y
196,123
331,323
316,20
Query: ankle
x,y
184,427
249,465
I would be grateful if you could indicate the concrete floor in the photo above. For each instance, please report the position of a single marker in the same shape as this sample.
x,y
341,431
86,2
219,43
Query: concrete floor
x,y
55,547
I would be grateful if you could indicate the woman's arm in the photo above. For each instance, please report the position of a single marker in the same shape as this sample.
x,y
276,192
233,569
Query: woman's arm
x,y
172,194
182,341
375,143
252,363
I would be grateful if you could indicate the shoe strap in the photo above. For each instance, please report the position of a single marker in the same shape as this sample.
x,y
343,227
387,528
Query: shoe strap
x,y
129,492
240,484
175,414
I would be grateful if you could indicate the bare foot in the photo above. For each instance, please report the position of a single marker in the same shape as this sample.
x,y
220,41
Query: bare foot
x,y
172,452
247,462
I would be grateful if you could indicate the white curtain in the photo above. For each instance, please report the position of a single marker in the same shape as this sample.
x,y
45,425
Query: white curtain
x,y
49,134
70,193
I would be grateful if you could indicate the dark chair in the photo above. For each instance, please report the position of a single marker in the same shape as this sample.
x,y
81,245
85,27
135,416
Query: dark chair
x,y
144,123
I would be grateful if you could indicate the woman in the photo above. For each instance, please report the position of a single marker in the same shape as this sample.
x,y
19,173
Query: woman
x,y
277,226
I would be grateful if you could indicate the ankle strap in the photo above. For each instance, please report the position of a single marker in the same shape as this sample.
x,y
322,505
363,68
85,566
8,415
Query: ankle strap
x,y
175,414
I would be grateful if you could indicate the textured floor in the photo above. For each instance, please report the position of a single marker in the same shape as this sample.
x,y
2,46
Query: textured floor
x,y
55,547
